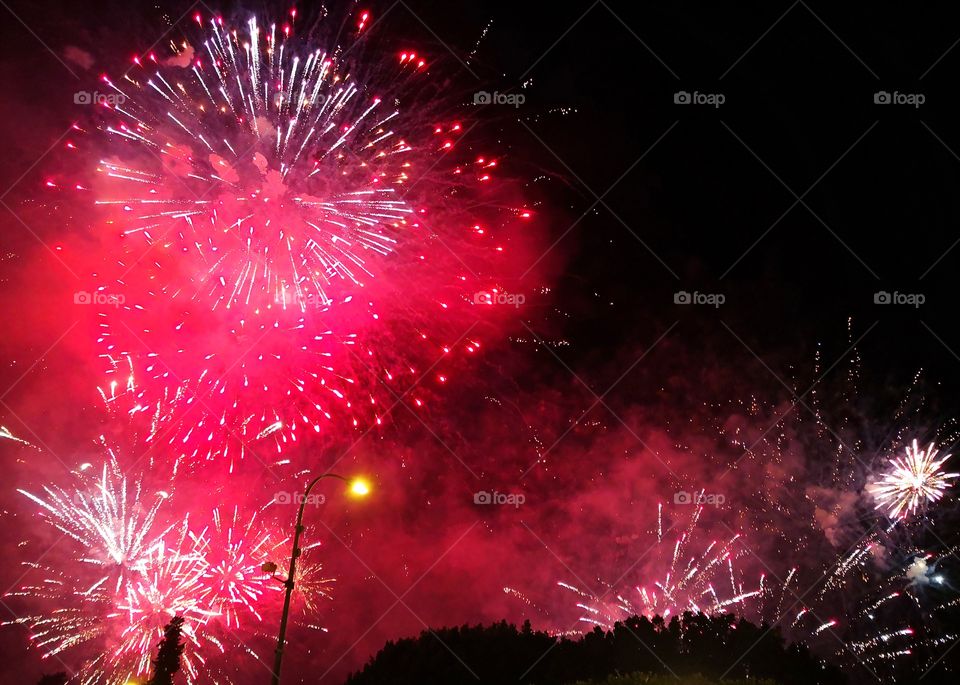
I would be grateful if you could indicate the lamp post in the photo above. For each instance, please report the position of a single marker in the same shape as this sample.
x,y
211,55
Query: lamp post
x,y
357,487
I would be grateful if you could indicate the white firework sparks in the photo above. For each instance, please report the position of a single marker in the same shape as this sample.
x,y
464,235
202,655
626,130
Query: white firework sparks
x,y
913,480
110,518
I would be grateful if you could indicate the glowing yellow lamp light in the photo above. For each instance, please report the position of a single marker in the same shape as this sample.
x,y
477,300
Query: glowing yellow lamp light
x,y
359,487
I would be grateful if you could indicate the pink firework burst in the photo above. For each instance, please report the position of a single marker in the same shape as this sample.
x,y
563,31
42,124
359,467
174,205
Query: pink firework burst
x,y
234,549
295,241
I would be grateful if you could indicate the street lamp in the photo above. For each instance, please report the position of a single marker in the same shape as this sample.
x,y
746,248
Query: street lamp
x,y
356,487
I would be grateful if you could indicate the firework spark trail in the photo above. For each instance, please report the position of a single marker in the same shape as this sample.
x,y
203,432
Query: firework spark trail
x,y
784,589
526,600
73,622
5,434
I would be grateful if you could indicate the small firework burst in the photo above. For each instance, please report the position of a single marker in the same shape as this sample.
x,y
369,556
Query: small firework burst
x,y
110,517
913,481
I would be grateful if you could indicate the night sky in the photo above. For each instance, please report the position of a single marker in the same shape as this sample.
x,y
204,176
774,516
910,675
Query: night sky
x,y
791,209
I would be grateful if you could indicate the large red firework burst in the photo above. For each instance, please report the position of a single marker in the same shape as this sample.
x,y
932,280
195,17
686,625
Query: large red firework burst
x,y
289,240
294,239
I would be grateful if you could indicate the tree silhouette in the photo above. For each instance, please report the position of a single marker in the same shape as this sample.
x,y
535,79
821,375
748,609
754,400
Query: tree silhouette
x,y
167,662
53,679
650,679
692,647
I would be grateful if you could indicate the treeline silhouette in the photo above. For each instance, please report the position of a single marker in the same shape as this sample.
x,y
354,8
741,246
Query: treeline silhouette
x,y
713,647
661,679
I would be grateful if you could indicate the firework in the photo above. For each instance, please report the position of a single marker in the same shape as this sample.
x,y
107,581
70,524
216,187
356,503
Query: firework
x,y
874,630
7,435
312,582
292,243
169,586
266,234
128,574
913,481
706,581
802,544
110,518
78,617
283,225
234,550
119,627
